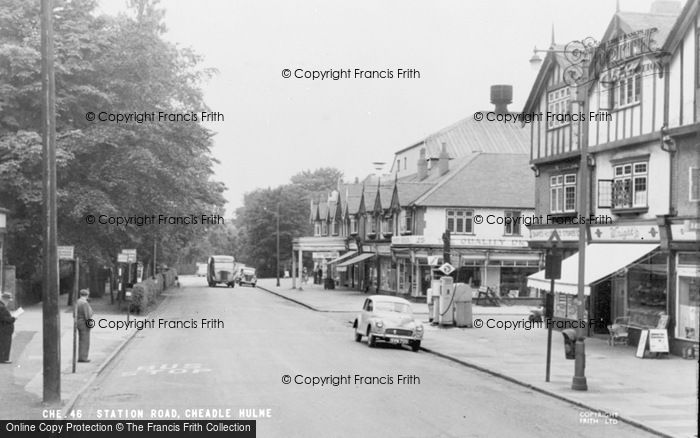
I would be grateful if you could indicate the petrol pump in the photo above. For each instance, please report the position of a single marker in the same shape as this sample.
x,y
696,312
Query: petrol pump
x,y
446,301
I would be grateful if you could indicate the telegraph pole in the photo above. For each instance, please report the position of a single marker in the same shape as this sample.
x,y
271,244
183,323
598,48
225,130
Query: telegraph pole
x,y
51,321
278,244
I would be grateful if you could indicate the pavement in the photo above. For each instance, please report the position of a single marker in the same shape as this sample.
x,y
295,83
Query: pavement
x,y
658,395
22,380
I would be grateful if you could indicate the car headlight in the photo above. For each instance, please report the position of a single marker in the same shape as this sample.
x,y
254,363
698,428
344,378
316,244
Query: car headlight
x,y
379,324
419,328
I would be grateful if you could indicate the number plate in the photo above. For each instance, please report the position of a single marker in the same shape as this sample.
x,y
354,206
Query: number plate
x,y
398,341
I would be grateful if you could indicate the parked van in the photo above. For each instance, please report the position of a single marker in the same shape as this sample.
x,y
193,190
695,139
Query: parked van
x,y
220,269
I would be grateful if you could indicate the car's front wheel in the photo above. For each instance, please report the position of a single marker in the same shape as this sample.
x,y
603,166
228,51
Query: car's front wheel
x,y
415,345
358,337
371,342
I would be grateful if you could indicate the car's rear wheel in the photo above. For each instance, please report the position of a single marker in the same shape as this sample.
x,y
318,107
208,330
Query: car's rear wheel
x,y
415,345
358,336
371,342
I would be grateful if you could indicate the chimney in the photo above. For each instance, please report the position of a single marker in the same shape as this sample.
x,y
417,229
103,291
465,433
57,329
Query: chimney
x,y
501,96
422,165
444,161
665,7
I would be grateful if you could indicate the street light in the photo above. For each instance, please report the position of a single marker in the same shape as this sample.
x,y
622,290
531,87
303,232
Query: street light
x,y
278,244
277,238
579,54
3,229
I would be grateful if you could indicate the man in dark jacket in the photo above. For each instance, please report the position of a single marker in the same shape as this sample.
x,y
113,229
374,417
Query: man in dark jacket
x,y
7,327
84,323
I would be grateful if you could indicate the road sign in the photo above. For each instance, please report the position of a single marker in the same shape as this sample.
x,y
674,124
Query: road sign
x,y
122,258
446,269
66,252
129,251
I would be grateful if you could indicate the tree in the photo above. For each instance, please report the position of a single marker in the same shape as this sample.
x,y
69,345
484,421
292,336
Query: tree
x,y
256,219
115,65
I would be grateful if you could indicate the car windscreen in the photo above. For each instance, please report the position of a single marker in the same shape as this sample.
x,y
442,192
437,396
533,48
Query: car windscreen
x,y
392,307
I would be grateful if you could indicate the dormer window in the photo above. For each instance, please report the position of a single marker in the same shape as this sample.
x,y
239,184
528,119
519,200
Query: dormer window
x,y
388,226
324,228
353,225
335,228
317,228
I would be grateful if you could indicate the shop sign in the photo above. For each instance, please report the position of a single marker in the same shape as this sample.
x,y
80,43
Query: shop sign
x,y
688,230
647,233
325,255
459,241
544,234
384,250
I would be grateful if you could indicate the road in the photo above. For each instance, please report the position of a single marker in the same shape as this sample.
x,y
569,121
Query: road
x,y
241,365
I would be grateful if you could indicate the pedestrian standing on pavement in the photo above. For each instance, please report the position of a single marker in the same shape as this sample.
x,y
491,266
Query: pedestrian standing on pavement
x,y
84,315
7,327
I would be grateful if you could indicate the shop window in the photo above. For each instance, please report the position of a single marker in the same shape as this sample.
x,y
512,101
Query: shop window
x,y
460,221
512,224
688,305
694,184
562,191
646,287
558,104
630,185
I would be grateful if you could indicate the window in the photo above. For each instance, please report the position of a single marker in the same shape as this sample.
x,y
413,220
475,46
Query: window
x,y
353,225
629,187
335,229
317,228
388,225
562,190
512,228
627,91
558,102
460,221
324,228
694,185
406,221
404,163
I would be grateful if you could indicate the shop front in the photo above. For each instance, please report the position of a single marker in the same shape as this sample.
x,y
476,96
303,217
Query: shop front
x,y
621,279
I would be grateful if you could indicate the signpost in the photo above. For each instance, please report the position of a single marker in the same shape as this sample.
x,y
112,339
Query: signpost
x,y
552,271
66,252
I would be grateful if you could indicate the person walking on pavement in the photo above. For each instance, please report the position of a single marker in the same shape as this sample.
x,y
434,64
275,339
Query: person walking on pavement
x,y
84,314
7,327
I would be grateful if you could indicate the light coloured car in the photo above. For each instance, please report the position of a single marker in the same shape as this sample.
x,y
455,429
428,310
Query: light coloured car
x,y
246,275
388,319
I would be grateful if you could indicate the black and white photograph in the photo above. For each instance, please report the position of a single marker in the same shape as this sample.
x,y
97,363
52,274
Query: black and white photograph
x,y
332,218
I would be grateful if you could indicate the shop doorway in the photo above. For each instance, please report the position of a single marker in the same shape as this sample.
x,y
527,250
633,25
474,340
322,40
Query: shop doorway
x,y
602,304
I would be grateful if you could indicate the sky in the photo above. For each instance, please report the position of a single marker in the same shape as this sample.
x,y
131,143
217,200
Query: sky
x,y
275,127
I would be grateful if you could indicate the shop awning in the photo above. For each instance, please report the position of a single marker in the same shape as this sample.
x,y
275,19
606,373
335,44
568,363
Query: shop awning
x,y
342,257
357,259
602,260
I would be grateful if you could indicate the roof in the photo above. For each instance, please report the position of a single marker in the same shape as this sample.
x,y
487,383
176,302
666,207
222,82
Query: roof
x,y
467,136
408,191
634,21
554,57
485,180
385,194
685,20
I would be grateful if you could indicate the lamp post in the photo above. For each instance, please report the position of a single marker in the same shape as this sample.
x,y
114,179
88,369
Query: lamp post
x,y
278,243
579,54
3,228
